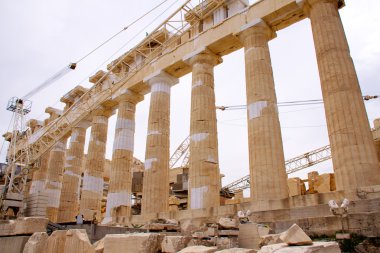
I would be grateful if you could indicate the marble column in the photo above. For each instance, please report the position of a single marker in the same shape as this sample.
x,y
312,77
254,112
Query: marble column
x,y
204,175
156,175
353,152
69,202
93,183
266,154
120,185
39,176
53,183
70,193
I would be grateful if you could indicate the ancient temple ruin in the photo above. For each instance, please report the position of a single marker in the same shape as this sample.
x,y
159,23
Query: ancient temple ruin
x,y
64,182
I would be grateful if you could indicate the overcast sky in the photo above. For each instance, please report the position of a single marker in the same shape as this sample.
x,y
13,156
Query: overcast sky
x,y
40,37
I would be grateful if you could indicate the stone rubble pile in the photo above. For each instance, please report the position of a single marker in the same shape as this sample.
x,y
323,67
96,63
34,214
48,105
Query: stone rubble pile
x,y
227,236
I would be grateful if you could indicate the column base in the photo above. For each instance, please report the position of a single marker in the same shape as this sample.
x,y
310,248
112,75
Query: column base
x,y
311,212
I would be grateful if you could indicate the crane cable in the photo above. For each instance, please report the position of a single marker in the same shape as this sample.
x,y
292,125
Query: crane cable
x,y
117,51
289,103
72,66
122,30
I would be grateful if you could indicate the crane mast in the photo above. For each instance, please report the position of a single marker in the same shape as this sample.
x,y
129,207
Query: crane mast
x,y
16,173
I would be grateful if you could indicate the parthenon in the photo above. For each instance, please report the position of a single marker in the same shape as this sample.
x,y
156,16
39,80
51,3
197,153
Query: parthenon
x,y
63,183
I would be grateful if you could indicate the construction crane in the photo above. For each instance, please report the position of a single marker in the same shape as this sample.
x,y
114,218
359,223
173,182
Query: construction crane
x,y
182,150
25,152
292,165
17,171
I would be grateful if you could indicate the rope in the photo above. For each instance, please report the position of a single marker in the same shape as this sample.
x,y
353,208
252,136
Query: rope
x,y
289,103
119,32
118,50
72,66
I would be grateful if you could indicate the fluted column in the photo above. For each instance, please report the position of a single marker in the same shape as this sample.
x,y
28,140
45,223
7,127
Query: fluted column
x,y
39,176
352,147
266,154
54,173
156,175
70,193
69,202
120,185
93,183
204,175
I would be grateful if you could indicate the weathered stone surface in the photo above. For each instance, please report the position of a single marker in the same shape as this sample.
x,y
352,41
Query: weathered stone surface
x,y
296,187
370,245
266,154
77,242
156,176
162,226
270,239
13,244
226,242
188,226
29,225
56,242
317,247
228,223
207,242
36,243
99,246
325,183
23,226
295,236
236,250
213,231
199,249
200,234
250,235
7,227
137,243
174,243
228,232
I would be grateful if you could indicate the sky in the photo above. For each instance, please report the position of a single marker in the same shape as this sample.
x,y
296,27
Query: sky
x,y
40,37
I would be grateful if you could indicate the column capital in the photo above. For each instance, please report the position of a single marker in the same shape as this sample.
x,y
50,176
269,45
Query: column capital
x,y
102,111
340,3
307,4
54,114
97,76
83,124
202,55
256,27
161,76
73,95
127,95
35,124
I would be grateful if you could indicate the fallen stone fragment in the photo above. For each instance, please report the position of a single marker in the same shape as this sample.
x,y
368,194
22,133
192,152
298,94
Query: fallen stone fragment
x,y
135,242
226,242
199,249
250,235
317,247
295,236
236,250
228,232
174,243
228,223
36,243
270,239
23,226
56,242
77,242
30,225
99,246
